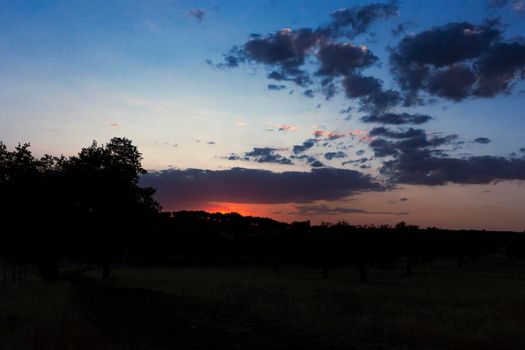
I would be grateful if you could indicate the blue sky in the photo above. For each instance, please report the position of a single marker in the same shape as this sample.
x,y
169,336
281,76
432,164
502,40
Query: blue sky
x,y
74,71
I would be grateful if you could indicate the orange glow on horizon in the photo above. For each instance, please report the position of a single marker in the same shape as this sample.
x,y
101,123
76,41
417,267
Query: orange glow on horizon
x,y
226,208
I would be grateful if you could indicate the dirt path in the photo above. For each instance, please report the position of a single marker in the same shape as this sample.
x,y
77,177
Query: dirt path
x,y
144,319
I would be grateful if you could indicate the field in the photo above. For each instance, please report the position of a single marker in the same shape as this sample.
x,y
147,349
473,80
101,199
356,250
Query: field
x,y
481,306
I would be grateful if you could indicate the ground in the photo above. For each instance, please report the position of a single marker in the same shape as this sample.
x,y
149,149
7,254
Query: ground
x,y
481,306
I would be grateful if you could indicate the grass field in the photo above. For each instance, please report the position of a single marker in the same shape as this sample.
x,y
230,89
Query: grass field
x,y
481,306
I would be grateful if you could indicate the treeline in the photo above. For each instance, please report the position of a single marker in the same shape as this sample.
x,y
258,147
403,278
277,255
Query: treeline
x,y
84,207
202,238
88,208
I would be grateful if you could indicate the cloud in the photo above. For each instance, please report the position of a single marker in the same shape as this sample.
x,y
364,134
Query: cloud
x,y
330,135
297,149
276,87
457,61
369,90
178,189
285,49
284,127
262,155
198,14
412,140
356,20
211,142
325,210
309,93
401,134
343,58
288,52
361,135
482,140
356,161
396,118
422,168
333,155
114,125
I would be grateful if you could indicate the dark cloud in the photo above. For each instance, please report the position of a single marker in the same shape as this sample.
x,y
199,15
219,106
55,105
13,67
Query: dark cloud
x,y
309,93
285,53
301,79
422,168
356,161
356,20
498,68
266,155
346,111
457,61
198,14
276,87
453,83
369,90
446,45
316,164
357,85
412,140
482,140
332,155
178,189
233,157
404,199
233,59
285,49
297,149
397,118
401,134
325,210
343,58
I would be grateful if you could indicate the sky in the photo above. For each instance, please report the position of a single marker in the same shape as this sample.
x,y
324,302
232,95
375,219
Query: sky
x,y
369,112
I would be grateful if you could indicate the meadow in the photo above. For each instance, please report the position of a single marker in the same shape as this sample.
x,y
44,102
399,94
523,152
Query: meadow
x,y
481,306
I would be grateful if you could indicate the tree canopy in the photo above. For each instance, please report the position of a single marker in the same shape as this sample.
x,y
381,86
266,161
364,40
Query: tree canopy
x,y
84,205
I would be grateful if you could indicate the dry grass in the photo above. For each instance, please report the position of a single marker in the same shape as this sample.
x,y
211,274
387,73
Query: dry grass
x,y
479,307
475,308
44,316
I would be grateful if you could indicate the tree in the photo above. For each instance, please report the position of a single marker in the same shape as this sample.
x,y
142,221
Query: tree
x,y
89,205
110,199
